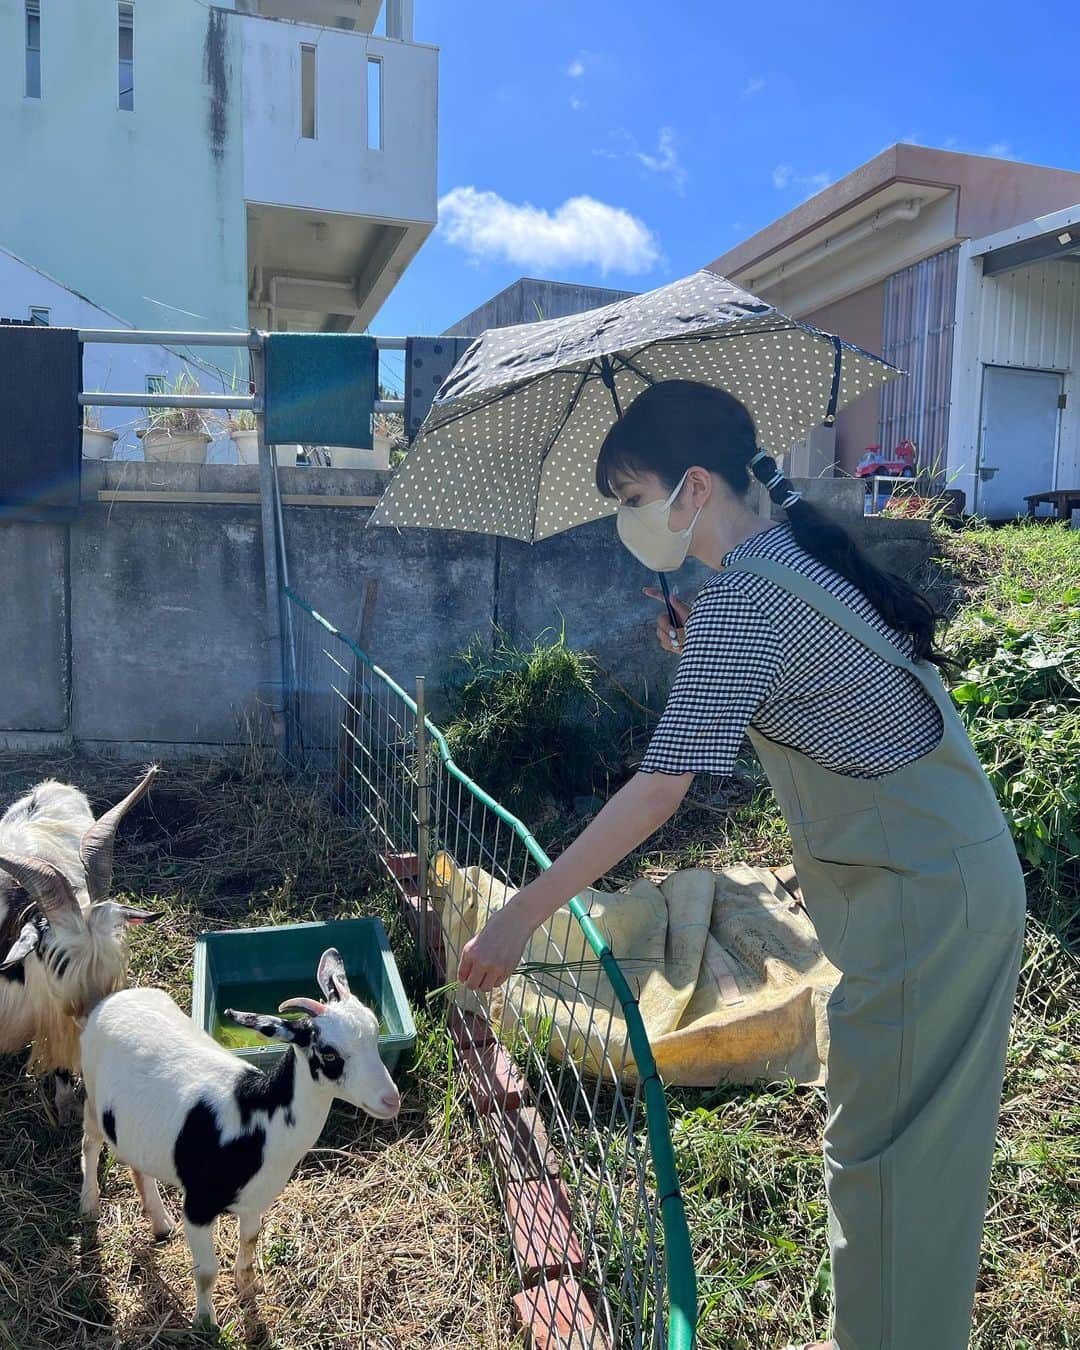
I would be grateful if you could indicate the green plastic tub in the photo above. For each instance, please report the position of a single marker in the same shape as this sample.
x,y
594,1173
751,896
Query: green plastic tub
x,y
255,969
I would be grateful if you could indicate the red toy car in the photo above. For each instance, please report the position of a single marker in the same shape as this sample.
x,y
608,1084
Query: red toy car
x,y
898,463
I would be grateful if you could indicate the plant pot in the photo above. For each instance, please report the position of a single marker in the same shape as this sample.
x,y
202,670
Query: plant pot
x,y
247,446
174,447
286,455
98,444
347,457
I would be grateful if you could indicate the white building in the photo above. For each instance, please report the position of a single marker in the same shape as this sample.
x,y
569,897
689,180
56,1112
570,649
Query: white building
x,y
965,272
186,164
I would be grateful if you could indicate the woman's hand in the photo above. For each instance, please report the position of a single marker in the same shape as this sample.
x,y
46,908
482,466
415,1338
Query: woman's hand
x,y
492,956
663,621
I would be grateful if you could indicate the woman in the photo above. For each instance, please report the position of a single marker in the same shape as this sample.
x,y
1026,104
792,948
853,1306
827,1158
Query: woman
x,y
902,852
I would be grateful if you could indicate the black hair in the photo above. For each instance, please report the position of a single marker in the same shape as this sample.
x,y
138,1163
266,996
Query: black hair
x,y
677,424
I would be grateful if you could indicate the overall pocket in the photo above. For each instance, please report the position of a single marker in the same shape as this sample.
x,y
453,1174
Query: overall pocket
x,y
994,894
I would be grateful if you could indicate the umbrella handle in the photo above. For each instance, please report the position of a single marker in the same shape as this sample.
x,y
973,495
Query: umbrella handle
x,y
667,601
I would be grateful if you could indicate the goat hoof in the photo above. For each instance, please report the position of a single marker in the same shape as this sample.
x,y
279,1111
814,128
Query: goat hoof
x,y
90,1209
69,1113
164,1234
204,1322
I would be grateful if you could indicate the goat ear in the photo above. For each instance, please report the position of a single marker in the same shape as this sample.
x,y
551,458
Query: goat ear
x,y
296,1031
331,976
27,940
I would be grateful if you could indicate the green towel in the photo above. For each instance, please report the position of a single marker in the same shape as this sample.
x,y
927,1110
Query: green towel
x,y
321,388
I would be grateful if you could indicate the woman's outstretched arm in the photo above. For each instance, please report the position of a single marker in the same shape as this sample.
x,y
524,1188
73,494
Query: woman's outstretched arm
x,y
629,818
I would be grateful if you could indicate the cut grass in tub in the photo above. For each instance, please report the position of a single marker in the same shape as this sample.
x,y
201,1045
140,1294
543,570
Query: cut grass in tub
x,y
389,1235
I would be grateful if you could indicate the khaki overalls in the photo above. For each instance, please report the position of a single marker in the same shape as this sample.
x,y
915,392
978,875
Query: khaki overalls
x,y
913,883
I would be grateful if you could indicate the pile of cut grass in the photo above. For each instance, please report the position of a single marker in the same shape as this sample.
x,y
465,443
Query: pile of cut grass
x,y
388,1235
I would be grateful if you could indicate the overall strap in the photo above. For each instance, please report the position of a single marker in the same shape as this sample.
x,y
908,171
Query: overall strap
x,y
843,616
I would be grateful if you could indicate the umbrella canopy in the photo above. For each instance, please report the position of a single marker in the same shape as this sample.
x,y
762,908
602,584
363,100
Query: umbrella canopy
x,y
510,444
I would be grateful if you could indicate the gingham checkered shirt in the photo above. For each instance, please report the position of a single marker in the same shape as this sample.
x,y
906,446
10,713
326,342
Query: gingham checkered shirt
x,y
757,656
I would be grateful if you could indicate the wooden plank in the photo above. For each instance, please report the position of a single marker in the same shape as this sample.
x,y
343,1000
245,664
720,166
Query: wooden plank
x,y
556,1315
539,1215
110,495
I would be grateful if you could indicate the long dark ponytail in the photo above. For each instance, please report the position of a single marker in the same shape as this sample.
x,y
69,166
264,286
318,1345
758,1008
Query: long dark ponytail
x,y
677,424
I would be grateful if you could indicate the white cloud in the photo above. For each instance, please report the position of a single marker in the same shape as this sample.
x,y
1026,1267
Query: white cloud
x,y
576,68
998,150
665,160
784,176
753,86
578,104
580,232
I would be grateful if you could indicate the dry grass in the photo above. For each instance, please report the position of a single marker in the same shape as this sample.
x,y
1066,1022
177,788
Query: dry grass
x,y
388,1235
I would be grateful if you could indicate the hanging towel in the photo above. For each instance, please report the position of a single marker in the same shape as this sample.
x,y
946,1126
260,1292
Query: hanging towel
x,y
428,361
40,440
321,388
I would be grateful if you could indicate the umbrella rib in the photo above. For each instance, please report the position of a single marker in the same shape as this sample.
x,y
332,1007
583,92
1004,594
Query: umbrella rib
x,y
554,437
510,389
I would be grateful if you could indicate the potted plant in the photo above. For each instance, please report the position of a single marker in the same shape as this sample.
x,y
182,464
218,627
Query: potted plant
x,y
97,442
177,435
243,430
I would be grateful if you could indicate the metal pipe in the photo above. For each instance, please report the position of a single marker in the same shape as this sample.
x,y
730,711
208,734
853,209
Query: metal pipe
x,y
270,569
390,405
423,805
136,337
103,400
888,215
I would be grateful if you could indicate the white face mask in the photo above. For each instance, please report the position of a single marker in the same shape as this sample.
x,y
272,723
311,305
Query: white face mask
x,y
646,532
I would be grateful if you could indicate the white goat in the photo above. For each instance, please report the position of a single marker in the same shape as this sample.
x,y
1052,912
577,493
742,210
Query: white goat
x,y
177,1107
63,943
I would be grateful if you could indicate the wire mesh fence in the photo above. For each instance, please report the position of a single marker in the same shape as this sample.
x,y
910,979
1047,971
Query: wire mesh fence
x,y
556,1063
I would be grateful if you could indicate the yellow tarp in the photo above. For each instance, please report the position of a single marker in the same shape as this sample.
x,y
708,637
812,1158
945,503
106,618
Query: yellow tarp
x,y
726,966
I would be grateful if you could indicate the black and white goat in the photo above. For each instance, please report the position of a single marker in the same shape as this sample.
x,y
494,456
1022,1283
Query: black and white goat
x,y
177,1107
63,944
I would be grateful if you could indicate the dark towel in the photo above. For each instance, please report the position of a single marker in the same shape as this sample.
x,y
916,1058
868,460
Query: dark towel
x,y
321,388
428,361
40,440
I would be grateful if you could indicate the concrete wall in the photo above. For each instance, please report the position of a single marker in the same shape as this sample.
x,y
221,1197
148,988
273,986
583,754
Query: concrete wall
x,y
858,318
141,627
336,171
137,209
528,300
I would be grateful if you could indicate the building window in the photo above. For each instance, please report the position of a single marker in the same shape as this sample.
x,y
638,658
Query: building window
x,y
33,48
307,93
374,104
39,315
126,55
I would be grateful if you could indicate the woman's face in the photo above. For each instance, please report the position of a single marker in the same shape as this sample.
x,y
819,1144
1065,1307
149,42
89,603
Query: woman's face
x,y
639,489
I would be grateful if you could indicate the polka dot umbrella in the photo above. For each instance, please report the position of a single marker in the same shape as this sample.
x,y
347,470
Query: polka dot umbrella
x,y
510,444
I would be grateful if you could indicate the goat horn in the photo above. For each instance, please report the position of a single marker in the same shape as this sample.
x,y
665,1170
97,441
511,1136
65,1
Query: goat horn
x,y
96,849
43,883
308,1005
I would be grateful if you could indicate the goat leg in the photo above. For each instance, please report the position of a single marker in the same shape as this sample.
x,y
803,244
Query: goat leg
x,y
250,1227
160,1220
200,1239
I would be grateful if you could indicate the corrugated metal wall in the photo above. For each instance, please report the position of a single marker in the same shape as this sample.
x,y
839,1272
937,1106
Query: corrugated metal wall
x,y
1031,317
920,320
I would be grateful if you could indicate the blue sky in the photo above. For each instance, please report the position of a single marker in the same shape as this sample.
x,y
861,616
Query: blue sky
x,y
626,144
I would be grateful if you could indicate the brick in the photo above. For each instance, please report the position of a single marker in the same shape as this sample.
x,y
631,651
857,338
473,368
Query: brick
x,y
557,1315
469,1028
539,1217
403,866
493,1079
523,1151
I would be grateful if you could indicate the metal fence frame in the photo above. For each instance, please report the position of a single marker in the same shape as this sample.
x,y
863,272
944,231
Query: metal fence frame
x,y
350,723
